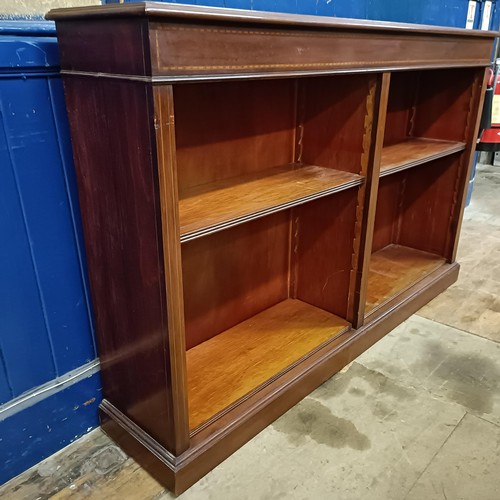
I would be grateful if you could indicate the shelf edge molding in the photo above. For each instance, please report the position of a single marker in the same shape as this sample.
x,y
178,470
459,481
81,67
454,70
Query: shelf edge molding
x,y
347,181
444,148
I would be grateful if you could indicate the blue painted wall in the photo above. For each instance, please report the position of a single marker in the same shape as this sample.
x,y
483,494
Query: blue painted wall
x,y
45,312
49,381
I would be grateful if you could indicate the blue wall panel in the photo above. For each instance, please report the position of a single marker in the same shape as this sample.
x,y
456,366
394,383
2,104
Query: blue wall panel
x,y
48,425
239,4
43,300
23,339
35,160
5,391
45,313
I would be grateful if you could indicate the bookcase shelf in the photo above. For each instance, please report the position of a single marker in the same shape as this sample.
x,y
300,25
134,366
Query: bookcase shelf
x,y
415,151
393,269
412,231
252,219
238,361
225,203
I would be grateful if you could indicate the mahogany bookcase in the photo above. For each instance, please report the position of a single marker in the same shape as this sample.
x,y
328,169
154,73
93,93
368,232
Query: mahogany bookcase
x,y
263,196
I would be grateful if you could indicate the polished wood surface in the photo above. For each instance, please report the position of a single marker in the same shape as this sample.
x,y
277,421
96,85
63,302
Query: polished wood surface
x,y
174,344
426,104
333,116
415,206
467,160
119,198
373,142
190,50
324,263
238,361
240,218
401,106
190,43
234,274
241,423
222,204
106,46
428,201
443,109
394,269
415,151
229,129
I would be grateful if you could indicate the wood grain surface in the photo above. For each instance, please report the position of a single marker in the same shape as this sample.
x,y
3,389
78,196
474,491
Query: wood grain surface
x,y
229,202
238,361
193,50
394,269
232,275
228,129
119,199
174,343
332,113
323,260
415,151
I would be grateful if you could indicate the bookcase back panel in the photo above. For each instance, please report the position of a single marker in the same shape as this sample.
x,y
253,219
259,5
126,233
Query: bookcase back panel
x,y
434,104
333,111
227,129
428,202
414,207
444,103
232,275
402,93
323,258
387,213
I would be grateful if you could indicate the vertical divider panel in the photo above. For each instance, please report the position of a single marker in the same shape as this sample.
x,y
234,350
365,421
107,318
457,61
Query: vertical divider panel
x,y
175,343
471,133
376,112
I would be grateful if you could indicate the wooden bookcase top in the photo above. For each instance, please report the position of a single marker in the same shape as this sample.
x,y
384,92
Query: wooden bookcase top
x,y
162,43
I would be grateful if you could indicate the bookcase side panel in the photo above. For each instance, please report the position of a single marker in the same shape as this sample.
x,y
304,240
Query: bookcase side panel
x,y
119,201
471,134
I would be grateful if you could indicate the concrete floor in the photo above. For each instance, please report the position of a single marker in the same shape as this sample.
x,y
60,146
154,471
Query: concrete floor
x,y
416,417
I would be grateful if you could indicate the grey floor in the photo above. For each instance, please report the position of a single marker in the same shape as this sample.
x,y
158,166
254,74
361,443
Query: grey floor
x,y
415,417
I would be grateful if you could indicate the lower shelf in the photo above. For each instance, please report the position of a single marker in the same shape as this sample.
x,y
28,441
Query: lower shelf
x,y
235,363
393,269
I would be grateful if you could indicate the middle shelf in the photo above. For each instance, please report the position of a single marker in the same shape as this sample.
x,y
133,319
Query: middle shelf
x,y
234,363
218,205
415,151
